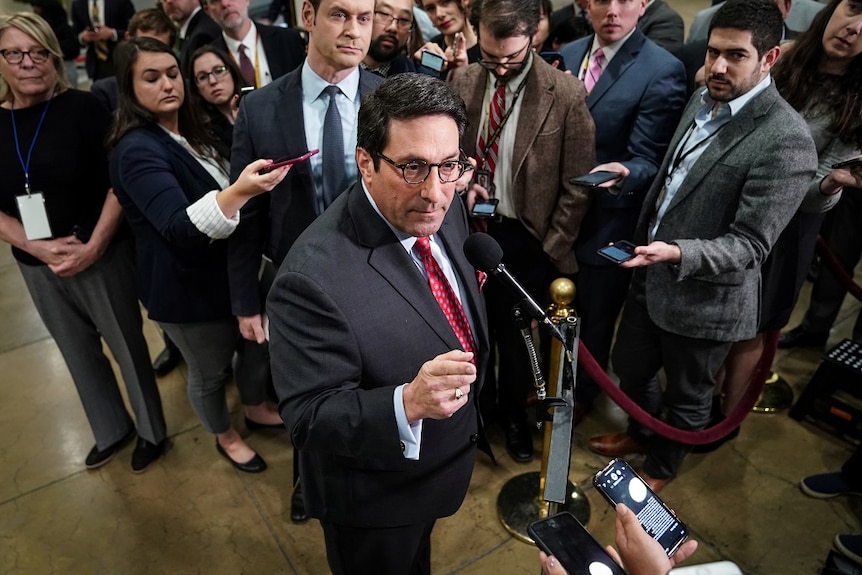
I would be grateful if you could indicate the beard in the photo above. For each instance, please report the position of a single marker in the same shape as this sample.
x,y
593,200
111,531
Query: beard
x,y
727,90
381,53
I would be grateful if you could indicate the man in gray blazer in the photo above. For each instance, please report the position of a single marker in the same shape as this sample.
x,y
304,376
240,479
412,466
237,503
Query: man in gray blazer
x,y
736,170
284,120
378,384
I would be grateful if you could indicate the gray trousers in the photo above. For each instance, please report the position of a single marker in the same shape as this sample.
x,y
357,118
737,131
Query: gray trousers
x,y
102,302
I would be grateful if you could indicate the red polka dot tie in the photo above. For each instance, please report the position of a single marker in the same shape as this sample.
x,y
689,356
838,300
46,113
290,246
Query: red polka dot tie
x,y
445,296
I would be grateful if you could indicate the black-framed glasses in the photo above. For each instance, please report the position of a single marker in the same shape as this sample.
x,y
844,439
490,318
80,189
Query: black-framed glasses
x,y
417,171
218,73
493,64
385,18
37,56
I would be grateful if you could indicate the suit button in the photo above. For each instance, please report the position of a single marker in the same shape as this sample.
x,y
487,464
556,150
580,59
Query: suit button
x,y
474,438
403,447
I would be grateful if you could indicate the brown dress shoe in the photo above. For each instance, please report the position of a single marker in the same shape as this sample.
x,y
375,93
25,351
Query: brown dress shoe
x,y
616,445
655,484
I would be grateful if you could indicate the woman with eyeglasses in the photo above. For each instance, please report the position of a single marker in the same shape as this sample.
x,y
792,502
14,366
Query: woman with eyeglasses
x,y
215,90
457,42
172,182
65,228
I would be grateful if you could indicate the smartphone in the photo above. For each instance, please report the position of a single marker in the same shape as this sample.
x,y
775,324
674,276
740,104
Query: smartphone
x,y
715,568
290,162
619,483
486,209
83,234
618,252
564,537
555,59
431,60
594,179
245,90
851,163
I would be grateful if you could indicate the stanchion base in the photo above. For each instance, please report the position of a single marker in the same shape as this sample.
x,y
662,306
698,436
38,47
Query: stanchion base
x,y
519,504
776,395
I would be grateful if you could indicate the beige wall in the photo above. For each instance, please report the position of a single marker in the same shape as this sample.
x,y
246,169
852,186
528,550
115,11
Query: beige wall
x,y
7,6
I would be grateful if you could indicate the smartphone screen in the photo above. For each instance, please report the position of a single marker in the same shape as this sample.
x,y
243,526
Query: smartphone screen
x,y
432,60
564,537
619,483
618,252
487,209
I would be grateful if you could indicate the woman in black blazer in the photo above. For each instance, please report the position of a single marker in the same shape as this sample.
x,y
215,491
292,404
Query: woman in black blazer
x,y
172,182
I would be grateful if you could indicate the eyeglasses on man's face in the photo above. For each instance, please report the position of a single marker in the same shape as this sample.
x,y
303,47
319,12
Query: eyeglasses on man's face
x,y
505,62
37,56
218,73
385,18
417,171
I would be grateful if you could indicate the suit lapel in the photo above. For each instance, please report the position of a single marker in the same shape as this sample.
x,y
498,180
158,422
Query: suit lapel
x,y
621,62
538,100
273,56
189,161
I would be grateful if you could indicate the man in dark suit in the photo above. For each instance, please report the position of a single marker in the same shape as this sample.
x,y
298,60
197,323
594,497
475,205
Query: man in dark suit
x,y
353,317
635,102
284,120
663,25
737,169
262,53
100,24
529,158
195,28
390,35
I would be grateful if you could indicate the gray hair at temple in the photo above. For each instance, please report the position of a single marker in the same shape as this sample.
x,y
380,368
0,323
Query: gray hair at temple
x,y
405,97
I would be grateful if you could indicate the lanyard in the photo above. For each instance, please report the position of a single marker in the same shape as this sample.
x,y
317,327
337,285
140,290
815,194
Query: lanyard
x,y
509,109
682,153
26,165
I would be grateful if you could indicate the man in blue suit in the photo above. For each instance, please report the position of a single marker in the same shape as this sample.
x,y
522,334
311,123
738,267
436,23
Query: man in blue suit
x,y
635,101
284,119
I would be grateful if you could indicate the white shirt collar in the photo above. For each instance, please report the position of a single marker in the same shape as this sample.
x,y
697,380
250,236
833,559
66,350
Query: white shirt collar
x,y
611,49
313,85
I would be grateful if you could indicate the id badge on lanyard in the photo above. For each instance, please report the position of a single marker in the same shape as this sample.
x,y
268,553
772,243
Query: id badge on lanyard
x,y
34,216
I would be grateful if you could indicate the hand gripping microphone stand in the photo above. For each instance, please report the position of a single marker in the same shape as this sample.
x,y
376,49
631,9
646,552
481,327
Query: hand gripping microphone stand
x,y
531,496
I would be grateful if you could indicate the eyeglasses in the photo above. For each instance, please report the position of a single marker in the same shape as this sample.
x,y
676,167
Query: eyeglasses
x,y
385,18
417,171
218,73
12,56
492,64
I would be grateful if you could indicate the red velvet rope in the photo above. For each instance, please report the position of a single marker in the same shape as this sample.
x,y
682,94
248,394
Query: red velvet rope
x,y
708,435
836,268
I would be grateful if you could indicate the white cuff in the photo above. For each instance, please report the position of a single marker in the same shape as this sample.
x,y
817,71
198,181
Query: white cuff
x,y
410,435
207,217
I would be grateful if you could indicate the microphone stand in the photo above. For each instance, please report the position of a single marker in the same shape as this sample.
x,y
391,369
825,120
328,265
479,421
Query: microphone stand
x,y
531,496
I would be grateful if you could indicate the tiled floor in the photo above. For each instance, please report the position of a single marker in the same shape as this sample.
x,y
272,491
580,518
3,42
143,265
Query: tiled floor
x,y
192,513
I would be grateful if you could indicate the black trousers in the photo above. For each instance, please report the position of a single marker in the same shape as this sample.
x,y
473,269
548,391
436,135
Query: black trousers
x,y
404,550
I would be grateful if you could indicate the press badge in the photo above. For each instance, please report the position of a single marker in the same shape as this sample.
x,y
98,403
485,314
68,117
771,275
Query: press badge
x,y
34,217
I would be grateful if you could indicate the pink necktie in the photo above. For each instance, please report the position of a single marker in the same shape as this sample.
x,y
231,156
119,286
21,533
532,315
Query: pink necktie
x,y
445,296
594,71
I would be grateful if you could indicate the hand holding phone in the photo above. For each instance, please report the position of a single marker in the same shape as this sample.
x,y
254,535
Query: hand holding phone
x,y
564,537
281,163
619,483
618,252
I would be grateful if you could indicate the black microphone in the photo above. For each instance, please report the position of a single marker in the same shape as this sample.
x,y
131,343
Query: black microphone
x,y
485,254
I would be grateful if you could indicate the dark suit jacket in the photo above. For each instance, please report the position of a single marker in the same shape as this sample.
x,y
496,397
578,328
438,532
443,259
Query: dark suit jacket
x,y
284,48
555,143
270,124
105,89
351,318
117,15
202,30
182,274
725,218
635,105
663,25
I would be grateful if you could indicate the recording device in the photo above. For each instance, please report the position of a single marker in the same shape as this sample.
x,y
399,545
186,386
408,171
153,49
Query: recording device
x,y
281,163
594,179
555,59
431,60
245,90
81,233
564,537
619,483
485,254
851,163
618,252
485,209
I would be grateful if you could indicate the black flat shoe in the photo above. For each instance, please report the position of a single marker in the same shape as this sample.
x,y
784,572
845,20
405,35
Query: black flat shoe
x,y
519,440
167,360
298,512
252,425
799,337
254,465
146,453
96,458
